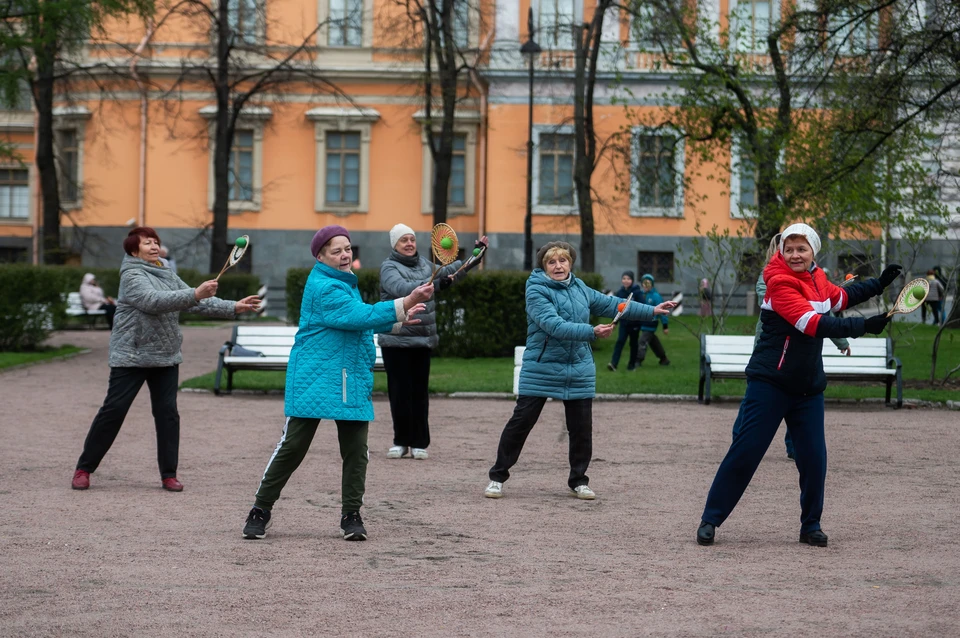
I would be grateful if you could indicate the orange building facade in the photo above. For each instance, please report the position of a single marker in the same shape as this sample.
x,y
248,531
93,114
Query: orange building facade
x,y
357,154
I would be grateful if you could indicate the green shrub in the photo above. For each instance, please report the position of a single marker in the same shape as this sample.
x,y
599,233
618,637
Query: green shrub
x,y
484,315
31,305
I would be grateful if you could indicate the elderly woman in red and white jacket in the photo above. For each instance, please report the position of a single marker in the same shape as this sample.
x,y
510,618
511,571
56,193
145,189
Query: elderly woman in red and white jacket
x,y
785,378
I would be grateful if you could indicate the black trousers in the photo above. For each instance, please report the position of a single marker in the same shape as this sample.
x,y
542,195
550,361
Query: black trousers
x,y
408,382
579,415
125,384
111,310
654,343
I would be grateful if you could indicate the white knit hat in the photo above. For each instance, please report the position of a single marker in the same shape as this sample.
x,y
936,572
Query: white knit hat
x,y
806,232
399,231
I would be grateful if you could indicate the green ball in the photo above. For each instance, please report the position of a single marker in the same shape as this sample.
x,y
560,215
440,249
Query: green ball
x,y
241,242
476,251
918,292
446,243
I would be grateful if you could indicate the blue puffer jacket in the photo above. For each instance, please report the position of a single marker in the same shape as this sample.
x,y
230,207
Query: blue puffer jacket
x,y
330,372
558,361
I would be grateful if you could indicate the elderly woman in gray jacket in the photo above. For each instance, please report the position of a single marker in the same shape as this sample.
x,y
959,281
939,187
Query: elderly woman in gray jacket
x,y
145,347
406,356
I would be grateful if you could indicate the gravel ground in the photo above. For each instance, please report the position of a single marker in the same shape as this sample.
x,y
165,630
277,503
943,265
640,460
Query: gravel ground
x,y
126,558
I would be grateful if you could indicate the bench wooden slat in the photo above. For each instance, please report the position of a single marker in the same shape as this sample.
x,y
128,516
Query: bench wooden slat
x,y
261,340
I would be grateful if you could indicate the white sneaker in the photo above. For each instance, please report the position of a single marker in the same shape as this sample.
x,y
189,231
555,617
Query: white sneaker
x,y
419,453
397,452
494,490
584,493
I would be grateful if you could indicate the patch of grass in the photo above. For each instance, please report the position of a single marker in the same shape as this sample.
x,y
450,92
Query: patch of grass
x,y
680,377
10,359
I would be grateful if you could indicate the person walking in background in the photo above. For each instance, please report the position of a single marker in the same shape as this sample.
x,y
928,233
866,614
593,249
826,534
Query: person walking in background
x,y
648,329
406,355
628,329
330,376
706,298
92,298
785,378
145,348
934,298
938,275
842,344
558,362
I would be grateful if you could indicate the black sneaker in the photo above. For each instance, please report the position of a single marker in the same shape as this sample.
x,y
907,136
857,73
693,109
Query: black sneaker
x,y
664,362
611,367
706,533
352,527
816,538
258,521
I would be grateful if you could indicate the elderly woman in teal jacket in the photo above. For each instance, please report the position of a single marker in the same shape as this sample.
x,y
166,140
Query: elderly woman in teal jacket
x,y
330,376
558,362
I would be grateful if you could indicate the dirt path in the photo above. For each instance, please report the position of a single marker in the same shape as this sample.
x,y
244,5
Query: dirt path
x,y
126,558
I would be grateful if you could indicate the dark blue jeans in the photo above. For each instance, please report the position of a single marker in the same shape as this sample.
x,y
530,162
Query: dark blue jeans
x,y
634,334
786,438
764,406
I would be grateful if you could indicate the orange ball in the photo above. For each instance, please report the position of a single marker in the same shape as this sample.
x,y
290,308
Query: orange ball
x,y
621,306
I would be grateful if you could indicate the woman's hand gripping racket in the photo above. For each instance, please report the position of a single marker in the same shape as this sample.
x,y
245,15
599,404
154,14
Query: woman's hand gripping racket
x,y
239,248
443,243
479,249
911,297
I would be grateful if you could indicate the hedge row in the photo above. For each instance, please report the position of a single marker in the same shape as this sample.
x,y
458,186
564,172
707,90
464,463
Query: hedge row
x,y
32,303
483,315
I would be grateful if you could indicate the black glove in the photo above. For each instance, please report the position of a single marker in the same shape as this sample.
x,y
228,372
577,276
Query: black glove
x,y
479,244
874,325
443,283
890,273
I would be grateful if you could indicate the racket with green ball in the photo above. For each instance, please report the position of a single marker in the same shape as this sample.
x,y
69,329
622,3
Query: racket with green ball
x,y
477,255
911,297
622,308
239,248
443,242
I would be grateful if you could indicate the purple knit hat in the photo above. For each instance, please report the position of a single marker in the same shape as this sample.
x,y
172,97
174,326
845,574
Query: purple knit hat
x,y
324,235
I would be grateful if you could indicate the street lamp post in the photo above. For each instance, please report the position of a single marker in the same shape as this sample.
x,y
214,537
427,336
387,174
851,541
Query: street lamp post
x,y
530,50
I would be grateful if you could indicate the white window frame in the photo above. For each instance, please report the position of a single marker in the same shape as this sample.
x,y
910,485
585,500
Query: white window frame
x,y
734,20
347,7
736,153
354,120
260,34
560,39
251,118
465,123
71,118
844,44
20,221
323,33
550,209
679,167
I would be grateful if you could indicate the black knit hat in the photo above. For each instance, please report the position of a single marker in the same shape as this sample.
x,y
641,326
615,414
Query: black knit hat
x,y
556,244
628,273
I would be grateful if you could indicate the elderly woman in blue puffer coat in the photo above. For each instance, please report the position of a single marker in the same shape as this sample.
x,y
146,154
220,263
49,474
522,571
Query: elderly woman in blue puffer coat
x,y
558,362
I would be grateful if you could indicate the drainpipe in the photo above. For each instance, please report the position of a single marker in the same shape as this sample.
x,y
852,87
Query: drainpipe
x,y
482,196
142,195
37,195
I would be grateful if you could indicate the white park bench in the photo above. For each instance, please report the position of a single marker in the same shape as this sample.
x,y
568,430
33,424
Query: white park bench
x,y
75,308
726,357
272,342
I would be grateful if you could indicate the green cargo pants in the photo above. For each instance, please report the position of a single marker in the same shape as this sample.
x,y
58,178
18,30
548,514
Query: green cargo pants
x,y
292,448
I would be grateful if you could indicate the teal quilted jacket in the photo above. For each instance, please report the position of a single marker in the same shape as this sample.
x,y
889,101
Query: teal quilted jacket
x,y
558,361
330,372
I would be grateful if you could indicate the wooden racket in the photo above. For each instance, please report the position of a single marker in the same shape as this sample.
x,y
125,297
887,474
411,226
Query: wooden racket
x,y
847,282
911,297
235,255
443,242
622,308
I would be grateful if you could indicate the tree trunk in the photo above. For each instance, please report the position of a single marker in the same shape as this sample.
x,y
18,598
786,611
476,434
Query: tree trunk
x,y
45,158
223,140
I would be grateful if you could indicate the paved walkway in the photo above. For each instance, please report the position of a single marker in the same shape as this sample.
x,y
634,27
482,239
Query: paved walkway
x,y
126,558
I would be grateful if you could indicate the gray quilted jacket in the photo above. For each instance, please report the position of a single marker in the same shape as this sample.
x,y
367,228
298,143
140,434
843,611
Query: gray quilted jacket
x,y
146,329
399,275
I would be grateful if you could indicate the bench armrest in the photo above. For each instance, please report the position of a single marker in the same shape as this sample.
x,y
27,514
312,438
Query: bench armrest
x,y
894,360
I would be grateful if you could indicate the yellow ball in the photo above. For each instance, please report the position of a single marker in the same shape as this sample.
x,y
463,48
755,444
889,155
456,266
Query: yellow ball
x,y
446,243
918,292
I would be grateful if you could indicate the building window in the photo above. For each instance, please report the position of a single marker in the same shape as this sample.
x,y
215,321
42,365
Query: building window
x,y
68,154
657,174
243,20
652,29
461,188
660,265
343,169
240,169
852,31
245,160
13,255
342,181
752,20
743,182
14,193
555,29
345,26
461,23
555,164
